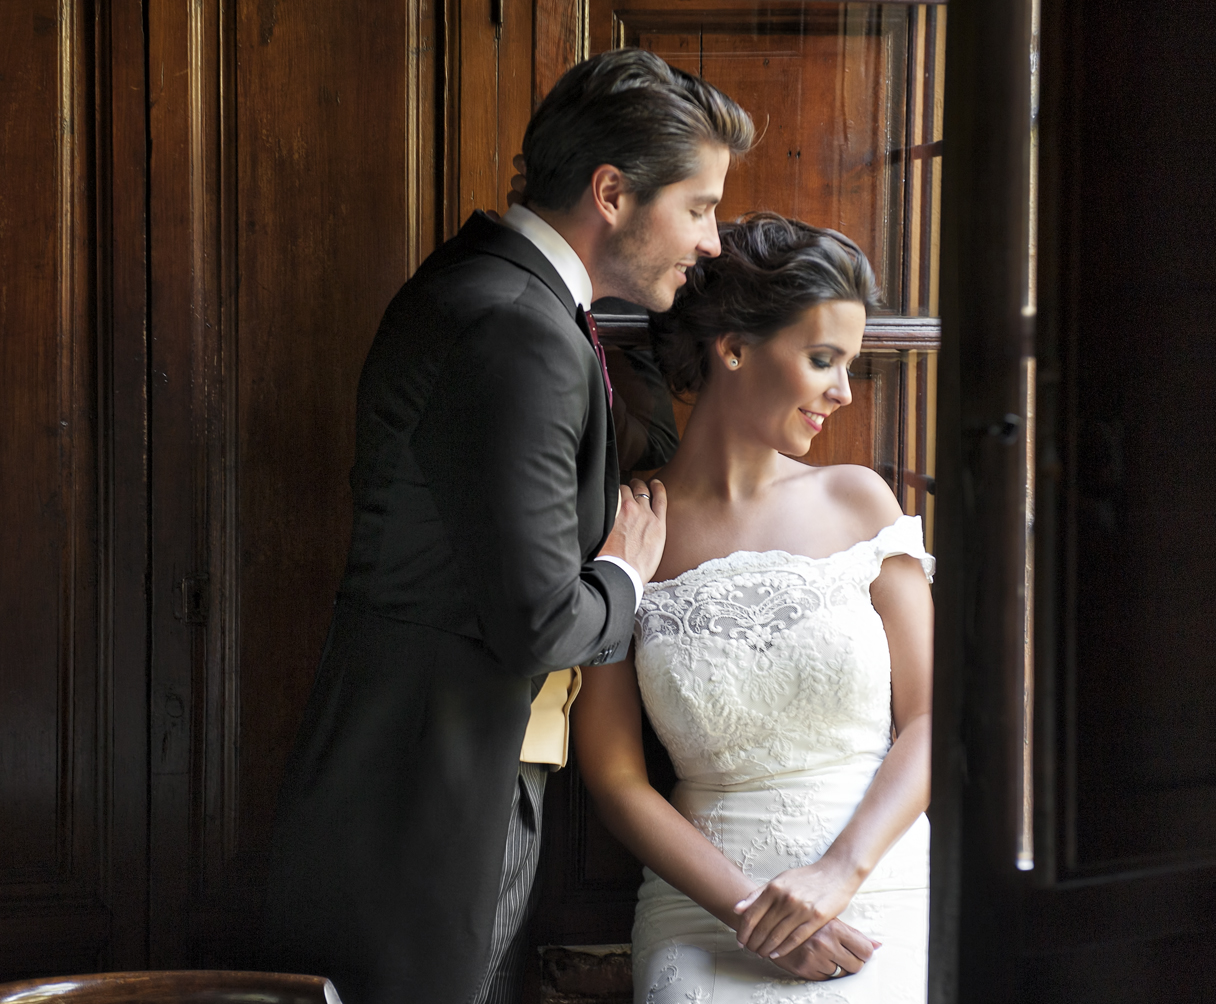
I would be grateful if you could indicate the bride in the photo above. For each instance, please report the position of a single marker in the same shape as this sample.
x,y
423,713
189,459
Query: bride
x,y
783,653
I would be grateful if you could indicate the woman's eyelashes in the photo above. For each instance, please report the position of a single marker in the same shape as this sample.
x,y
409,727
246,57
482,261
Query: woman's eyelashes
x,y
827,362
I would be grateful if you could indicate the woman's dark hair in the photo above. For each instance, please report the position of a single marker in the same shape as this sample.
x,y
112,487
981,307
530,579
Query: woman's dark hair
x,y
627,108
771,269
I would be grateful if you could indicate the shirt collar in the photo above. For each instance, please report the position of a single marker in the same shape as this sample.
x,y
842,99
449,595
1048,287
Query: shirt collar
x,y
554,247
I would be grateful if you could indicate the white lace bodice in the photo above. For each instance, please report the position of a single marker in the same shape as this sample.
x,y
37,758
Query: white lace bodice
x,y
761,663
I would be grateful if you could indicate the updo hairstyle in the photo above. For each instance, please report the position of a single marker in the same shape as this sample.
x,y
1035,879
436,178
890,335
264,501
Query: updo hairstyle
x,y
771,269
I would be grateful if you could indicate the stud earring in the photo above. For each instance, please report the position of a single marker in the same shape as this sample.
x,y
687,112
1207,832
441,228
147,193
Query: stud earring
x,y
734,362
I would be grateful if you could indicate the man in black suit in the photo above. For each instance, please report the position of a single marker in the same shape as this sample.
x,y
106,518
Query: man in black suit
x,y
485,561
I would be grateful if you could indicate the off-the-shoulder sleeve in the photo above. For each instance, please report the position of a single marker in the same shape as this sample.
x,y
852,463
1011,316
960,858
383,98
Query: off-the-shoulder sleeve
x,y
905,536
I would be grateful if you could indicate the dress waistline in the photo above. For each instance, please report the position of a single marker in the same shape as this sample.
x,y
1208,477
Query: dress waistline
x,y
856,764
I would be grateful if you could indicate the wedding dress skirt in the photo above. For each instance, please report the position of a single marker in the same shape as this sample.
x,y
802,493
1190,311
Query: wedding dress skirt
x,y
767,676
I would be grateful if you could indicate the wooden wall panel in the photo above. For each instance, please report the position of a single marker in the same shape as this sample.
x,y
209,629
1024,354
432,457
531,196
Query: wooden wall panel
x,y
829,109
489,90
122,338
184,257
322,245
561,40
53,755
1135,357
292,191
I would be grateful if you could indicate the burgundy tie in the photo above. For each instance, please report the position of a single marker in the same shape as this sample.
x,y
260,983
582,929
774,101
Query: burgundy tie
x,y
599,353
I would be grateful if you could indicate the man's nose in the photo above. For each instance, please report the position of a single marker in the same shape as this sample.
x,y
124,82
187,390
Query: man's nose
x,y
710,246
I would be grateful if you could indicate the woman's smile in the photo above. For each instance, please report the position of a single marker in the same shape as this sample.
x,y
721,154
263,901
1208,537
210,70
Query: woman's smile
x,y
814,419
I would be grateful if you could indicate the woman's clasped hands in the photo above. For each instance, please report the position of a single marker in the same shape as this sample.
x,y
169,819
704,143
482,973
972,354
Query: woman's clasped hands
x,y
793,920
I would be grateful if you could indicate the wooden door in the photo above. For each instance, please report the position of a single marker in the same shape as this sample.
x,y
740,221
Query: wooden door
x,y
73,504
204,209
291,192
1075,840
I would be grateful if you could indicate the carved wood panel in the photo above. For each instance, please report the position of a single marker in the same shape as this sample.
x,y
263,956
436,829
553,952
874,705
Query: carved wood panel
x,y
489,91
61,837
292,190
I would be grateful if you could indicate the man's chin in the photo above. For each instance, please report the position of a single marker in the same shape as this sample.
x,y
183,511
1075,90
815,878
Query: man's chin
x,y
657,298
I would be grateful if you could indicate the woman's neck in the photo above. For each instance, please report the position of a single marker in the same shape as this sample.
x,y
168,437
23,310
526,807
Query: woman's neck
x,y
717,460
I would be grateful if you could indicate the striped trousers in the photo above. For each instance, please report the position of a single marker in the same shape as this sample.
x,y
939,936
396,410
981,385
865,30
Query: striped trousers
x,y
502,983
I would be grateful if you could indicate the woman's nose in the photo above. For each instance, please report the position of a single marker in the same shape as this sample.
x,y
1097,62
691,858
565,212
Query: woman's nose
x,y
842,392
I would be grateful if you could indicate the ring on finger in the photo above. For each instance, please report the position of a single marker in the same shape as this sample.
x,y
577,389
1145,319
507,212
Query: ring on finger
x,y
837,972
641,495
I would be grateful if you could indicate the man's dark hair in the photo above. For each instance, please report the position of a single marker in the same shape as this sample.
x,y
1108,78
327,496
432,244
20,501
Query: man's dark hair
x,y
627,108
771,269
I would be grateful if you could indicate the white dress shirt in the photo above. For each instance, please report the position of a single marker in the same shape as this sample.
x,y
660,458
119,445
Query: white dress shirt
x,y
573,273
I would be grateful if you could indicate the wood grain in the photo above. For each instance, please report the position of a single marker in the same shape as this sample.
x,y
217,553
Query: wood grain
x,y
289,200
169,987
560,33
54,753
1123,543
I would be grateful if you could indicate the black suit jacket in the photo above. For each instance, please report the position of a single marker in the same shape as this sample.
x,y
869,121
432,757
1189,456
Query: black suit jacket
x,y
485,482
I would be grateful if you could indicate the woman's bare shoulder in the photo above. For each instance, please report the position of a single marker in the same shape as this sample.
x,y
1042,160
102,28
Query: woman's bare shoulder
x,y
860,495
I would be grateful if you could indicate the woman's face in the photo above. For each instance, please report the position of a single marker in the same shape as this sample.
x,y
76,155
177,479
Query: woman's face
x,y
788,386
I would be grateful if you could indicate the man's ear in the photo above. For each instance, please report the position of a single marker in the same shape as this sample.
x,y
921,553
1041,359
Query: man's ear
x,y
608,189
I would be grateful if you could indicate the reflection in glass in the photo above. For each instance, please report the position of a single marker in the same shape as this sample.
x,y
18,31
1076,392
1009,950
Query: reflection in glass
x,y
849,99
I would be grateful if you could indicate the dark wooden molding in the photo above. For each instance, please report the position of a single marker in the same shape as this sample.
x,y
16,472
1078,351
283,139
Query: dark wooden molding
x,y
122,163
423,129
883,334
914,334
65,829
980,493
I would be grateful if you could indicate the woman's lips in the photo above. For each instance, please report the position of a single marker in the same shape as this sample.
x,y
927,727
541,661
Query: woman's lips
x,y
813,419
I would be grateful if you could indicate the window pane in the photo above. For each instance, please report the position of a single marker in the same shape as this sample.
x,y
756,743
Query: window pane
x,y
847,98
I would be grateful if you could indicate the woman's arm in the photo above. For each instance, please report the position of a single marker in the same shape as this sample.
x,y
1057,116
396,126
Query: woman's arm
x,y
607,724
783,914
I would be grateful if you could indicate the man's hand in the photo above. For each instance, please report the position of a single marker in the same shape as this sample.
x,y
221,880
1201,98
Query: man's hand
x,y
836,943
640,530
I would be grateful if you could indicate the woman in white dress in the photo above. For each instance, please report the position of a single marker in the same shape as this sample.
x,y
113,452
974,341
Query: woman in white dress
x,y
783,653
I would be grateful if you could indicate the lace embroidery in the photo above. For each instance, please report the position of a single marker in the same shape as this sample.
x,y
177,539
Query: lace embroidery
x,y
759,663
777,992
800,844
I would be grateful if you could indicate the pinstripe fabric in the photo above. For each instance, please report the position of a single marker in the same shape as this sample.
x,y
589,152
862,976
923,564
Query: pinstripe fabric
x,y
508,944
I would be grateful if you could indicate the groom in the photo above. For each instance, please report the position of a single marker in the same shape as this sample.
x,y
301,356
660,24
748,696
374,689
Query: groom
x,y
488,559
